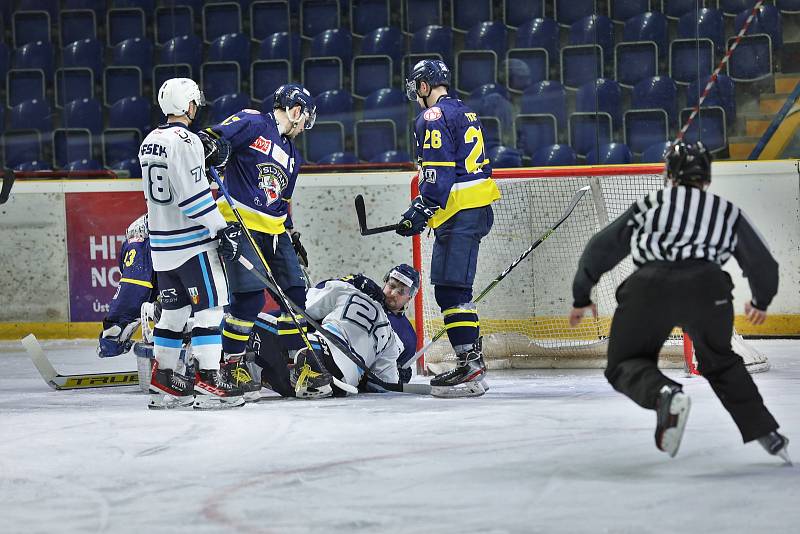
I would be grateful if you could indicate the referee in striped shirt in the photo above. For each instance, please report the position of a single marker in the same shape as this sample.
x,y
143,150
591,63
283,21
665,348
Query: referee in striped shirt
x,y
679,237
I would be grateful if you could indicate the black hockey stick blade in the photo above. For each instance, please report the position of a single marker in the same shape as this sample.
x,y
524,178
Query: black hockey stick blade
x,y
8,181
361,213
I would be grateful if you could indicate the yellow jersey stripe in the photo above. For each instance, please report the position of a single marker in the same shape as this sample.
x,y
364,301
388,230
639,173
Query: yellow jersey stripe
x,y
473,324
438,163
239,322
476,194
237,337
453,311
137,282
254,220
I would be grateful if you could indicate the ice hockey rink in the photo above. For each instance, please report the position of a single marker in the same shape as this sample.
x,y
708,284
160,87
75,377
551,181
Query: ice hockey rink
x,y
544,451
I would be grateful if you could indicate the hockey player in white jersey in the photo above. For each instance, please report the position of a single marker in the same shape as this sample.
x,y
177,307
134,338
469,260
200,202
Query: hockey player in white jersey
x,y
185,230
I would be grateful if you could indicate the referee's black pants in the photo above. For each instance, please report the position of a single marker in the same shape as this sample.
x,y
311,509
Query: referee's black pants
x,y
695,295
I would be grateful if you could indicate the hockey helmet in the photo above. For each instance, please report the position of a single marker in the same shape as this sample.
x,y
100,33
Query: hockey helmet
x,y
290,95
688,163
138,229
176,94
406,275
432,71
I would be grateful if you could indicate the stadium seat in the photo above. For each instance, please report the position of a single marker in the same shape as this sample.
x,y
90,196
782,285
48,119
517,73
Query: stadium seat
x,y
317,16
465,14
504,157
365,15
30,27
690,57
135,52
487,36
421,13
322,74
70,144
38,55
434,40
162,73
731,8
231,47
266,75
98,6
658,92
526,66
546,97
338,158
496,106
621,10
384,41
568,12
491,130
268,17
33,166
282,45
86,113
655,152
333,43
601,95
589,130
650,26
475,68
219,78
767,20
185,49
124,23
534,131
539,33
5,56
130,166
83,165
516,13
371,73
337,105
708,126
554,155
485,90
706,23
120,144
324,138
580,64
50,6
148,6
634,62
20,146
752,60
374,136
121,82
76,25
788,7
391,156
87,53
389,104
221,18
31,114
675,9
24,84
226,105
73,83
593,30
643,128
173,21
609,154
132,112
722,93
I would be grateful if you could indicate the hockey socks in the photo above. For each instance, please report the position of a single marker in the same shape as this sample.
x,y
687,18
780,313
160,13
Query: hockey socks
x,y
672,411
235,333
462,325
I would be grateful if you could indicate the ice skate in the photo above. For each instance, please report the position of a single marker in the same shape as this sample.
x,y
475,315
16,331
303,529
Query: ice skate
x,y
672,411
240,376
776,444
168,389
308,378
214,390
466,380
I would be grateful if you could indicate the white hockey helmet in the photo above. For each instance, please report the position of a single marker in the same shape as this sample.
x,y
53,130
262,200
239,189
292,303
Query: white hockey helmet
x,y
176,93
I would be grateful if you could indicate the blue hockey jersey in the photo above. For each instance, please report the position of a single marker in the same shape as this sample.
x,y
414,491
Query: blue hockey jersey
x,y
137,283
402,327
455,172
261,172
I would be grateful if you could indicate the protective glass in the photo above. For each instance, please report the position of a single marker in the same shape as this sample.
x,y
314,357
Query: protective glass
x,y
411,90
311,117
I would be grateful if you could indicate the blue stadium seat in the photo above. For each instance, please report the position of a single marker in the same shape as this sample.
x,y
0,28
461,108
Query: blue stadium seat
x,y
722,93
29,27
610,154
675,9
121,82
421,13
534,131
281,45
497,106
135,52
581,64
84,113
622,10
98,6
708,126
655,152
465,14
173,21
526,66
371,73
731,8
690,57
365,15
516,13
317,16
568,12
219,78
546,97
87,53
322,74
589,130
120,144
706,23
83,165
433,40
593,30
644,128
658,92
24,84
338,158
31,114
268,17
485,90
384,41
266,75
186,49
767,20
539,33
391,156
5,59
38,55
475,68
634,62
389,104
504,157
554,155
219,19
196,5
73,83
132,112
374,136
21,146
50,6
33,166
76,25
752,60
601,95
650,26
490,35
333,43
231,47
788,7
491,129
148,6
162,73
70,144
124,23
336,105
226,105
324,138
131,166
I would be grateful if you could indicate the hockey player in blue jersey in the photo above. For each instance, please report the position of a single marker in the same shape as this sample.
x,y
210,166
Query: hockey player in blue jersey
x,y
456,192
260,173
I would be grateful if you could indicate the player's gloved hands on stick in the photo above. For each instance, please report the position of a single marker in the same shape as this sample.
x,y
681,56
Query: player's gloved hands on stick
x,y
299,249
115,339
230,241
366,286
416,217
217,151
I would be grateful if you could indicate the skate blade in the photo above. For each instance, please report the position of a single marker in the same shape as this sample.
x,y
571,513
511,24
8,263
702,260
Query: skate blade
x,y
784,454
671,438
467,389
162,401
252,396
315,393
213,402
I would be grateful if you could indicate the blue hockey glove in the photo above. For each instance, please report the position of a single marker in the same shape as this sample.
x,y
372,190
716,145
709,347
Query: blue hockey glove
x,y
115,339
366,286
230,241
217,150
416,217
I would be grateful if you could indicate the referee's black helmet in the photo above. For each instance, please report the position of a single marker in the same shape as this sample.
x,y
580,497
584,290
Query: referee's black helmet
x,y
688,163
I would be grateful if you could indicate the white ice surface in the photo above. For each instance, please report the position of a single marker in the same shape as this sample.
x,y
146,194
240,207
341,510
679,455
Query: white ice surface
x,y
543,452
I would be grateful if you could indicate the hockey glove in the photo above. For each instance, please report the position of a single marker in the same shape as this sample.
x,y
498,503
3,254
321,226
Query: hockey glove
x,y
217,151
366,286
416,217
115,339
405,374
299,249
230,242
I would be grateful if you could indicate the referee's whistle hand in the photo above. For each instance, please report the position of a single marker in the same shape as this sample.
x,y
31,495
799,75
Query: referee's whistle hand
x,y
576,314
753,314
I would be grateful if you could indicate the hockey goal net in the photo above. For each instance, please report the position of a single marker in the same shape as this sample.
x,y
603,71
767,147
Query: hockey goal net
x,y
523,319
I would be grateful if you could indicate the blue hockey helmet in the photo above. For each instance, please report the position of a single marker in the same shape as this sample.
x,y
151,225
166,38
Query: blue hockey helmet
x,y
432,71
290,95
406,275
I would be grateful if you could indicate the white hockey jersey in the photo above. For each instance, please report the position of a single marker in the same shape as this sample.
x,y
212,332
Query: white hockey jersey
x,y
362,323
182,215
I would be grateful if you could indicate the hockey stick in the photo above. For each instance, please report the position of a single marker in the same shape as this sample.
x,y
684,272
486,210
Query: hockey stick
x,y
361,213
8,181
567,212
58,381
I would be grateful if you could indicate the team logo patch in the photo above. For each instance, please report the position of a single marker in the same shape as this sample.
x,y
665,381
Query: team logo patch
x,y
194,295
432,114
251,111
272,180
261,144
430,176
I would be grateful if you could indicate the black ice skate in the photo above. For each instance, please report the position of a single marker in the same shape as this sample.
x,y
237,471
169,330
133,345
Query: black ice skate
x,y
672,410
466,380
215,390
168,389
776,444
308,378
240,376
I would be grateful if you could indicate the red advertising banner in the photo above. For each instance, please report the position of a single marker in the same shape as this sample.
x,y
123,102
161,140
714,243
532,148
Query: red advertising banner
x,y
96,224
